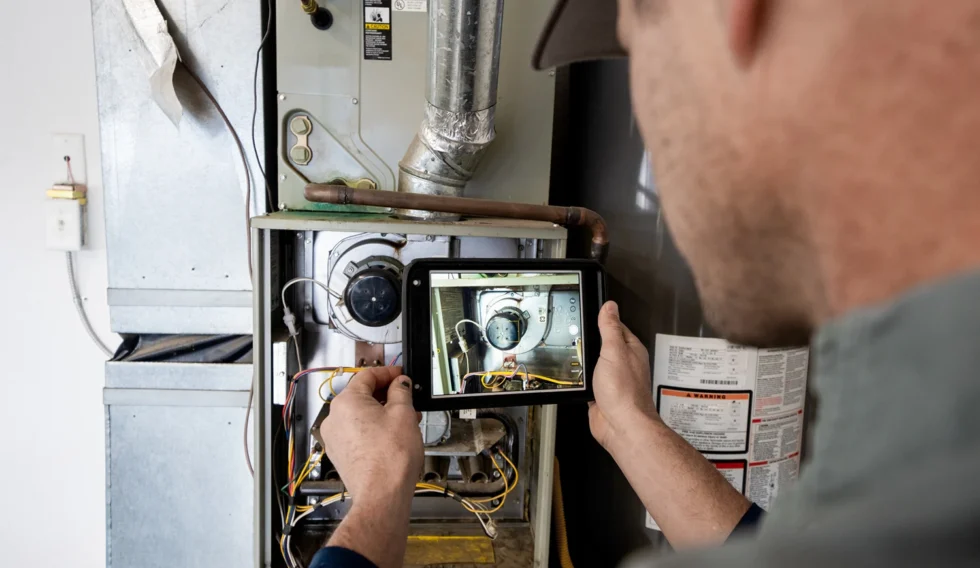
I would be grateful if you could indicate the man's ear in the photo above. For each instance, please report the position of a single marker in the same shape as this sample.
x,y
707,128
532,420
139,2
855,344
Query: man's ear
x,y
745,19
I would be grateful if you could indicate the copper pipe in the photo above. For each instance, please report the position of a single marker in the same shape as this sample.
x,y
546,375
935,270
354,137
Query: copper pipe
x,y
565,216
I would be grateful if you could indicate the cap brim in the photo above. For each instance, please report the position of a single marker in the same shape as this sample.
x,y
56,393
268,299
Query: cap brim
x,y
578,30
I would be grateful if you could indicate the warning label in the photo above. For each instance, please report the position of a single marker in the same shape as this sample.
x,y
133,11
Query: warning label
x,y
713,422
741,406
776,437
767,477
706,363
410,5
377,30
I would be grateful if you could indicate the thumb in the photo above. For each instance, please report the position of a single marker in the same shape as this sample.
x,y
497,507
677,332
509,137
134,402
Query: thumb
x,y
610,328
400,392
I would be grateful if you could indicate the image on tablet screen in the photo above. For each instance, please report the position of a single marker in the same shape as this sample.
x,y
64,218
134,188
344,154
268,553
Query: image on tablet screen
x,y
506,333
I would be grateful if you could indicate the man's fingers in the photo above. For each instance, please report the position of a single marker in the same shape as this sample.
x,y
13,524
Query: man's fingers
x,y
373,380
400,392
610,328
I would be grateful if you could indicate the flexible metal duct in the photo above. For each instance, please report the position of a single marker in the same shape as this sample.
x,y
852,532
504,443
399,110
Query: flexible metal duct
x,y
461,93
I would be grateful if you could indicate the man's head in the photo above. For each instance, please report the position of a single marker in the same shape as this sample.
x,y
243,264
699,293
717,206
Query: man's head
x,y
809,153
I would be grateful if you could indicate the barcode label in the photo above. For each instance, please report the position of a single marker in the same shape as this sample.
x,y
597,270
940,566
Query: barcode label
x,y
718,382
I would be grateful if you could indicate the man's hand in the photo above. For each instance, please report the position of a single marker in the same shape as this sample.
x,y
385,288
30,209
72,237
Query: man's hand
x,y
686,495
372,434
621,381
373,439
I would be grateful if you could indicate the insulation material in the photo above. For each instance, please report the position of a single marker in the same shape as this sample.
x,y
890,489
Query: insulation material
x,y
159,55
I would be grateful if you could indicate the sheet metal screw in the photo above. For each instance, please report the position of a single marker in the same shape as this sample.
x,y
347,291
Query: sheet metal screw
x,y
354,101
282,206
282,178
415,282
309,241
282,97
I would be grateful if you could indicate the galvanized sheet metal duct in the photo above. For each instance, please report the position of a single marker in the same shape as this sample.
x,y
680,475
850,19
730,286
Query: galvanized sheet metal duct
x,y
464,63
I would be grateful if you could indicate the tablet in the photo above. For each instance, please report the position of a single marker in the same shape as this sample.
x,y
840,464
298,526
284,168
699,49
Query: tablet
x,y
497,333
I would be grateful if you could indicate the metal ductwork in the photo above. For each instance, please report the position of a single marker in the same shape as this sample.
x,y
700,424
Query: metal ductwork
x,y
461,94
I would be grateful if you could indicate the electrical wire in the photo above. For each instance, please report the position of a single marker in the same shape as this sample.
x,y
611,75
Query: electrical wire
x,y
255,103
76,296
303,279
241,154
478,326
527,375
248,413
561,534
297,514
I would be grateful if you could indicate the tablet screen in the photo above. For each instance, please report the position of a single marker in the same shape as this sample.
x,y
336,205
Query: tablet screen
x,y
506,333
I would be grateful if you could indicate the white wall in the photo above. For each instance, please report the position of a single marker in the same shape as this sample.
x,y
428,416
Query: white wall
x,y
51,417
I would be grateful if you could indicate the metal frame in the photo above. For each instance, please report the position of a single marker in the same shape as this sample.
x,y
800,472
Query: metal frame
x,y
552,242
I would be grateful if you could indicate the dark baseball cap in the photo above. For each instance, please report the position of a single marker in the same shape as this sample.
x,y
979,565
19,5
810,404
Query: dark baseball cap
x,y
578,30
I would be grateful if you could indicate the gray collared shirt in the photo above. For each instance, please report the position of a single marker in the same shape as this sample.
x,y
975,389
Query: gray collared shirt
x,y
893,477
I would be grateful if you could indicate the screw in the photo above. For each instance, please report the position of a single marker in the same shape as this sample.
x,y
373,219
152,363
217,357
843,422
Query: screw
x,y
495,502
282,97
430,237
415,282
307,307
282,206
496,475
282,178
418,386
283,374
299,235
520,248
551,73
309,241
354,100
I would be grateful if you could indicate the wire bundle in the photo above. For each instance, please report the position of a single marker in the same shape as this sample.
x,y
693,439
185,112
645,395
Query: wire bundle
x,y
478,507
489,379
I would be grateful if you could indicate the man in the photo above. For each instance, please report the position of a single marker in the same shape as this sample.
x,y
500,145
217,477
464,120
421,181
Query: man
x,y
817,164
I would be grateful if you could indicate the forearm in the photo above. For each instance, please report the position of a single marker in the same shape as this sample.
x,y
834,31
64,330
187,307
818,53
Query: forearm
x,y
376,529
693,504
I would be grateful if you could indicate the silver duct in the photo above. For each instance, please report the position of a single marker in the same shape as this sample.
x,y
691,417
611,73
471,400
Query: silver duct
x,y
461,93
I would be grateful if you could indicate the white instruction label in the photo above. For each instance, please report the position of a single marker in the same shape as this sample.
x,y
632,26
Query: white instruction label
x,y
712,422
409,5
740,406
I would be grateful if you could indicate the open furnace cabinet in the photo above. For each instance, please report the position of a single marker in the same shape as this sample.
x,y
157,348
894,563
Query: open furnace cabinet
x,y
342,252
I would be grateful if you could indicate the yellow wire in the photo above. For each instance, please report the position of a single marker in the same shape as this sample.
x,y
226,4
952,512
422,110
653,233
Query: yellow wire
x,y
308,469
508,488
329,382
483,381
538,377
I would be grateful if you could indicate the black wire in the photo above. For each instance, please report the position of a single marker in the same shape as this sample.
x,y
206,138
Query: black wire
x,y
255,105
241,152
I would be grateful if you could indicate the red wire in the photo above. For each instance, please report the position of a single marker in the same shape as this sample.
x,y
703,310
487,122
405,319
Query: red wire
x,y
71,176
